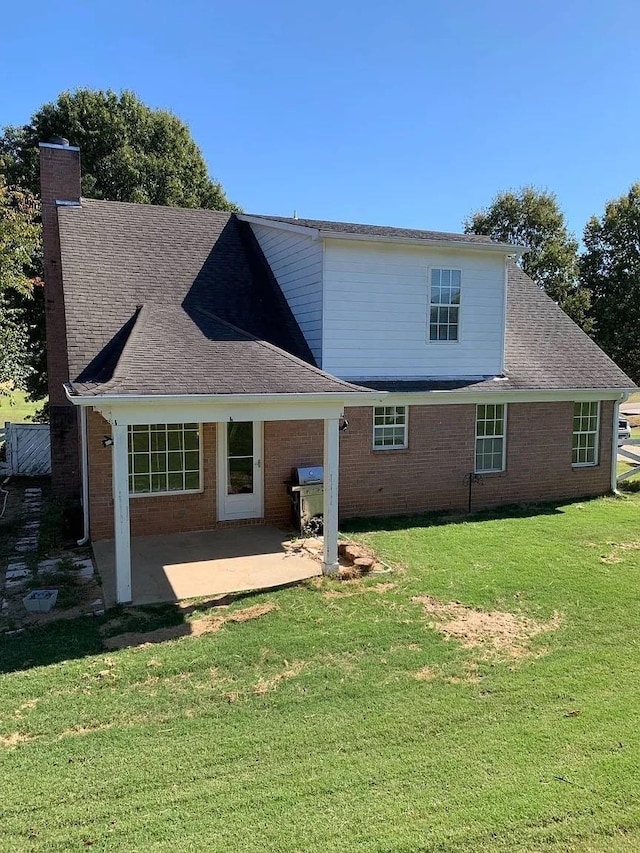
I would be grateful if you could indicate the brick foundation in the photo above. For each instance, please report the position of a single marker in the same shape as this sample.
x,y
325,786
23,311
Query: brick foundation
x,y
430,474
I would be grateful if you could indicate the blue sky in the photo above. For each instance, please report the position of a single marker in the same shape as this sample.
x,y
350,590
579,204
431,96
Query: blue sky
x,y
409,113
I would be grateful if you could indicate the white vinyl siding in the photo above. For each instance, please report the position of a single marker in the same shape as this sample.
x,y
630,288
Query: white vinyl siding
x,y
376,312
389,427
164,458
586,422
296,262
490,438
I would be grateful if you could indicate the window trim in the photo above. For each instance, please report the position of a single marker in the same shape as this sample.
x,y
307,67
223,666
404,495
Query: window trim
x,y
404,446
503,437
429,305
596,432
197,491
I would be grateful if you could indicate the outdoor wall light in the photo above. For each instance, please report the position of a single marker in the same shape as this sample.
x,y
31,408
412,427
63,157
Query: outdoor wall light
x,y
107,441
343,425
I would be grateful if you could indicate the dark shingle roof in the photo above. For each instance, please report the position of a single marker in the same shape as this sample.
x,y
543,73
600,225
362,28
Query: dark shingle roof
x,y
172,351
545,350
215,321
377,230
117,256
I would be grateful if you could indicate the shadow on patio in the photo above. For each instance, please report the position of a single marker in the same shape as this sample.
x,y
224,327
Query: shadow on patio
x,y
204,563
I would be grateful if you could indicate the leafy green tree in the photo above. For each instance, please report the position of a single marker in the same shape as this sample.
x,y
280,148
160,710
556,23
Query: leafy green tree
x,y
129,151
610,270
533,218
20,248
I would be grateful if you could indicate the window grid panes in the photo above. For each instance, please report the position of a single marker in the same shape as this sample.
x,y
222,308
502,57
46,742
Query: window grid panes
x,y
585,433
390,427
164,458
444,308
490,437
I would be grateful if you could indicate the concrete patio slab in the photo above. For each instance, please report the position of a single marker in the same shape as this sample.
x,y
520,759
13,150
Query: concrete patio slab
x,y
213,562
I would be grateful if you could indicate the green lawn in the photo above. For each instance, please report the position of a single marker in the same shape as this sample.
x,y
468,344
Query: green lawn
x,y
342,720
15,408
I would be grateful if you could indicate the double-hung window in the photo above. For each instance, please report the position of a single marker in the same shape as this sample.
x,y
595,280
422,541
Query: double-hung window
x,y
444,305
585,433
490,438
389,427
164,458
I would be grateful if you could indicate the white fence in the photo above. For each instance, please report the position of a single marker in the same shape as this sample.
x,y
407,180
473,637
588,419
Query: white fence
x,y
28,450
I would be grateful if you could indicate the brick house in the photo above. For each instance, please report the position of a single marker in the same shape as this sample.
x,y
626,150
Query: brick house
x,y
197,356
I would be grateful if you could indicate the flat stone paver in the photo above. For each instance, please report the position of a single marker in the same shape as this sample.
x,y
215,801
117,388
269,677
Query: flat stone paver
x,y
216,562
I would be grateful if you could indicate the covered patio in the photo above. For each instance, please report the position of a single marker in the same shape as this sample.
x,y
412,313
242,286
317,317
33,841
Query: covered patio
x,y
204,563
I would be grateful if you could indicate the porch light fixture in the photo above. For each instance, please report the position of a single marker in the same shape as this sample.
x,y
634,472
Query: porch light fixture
x,y
343,424
107,441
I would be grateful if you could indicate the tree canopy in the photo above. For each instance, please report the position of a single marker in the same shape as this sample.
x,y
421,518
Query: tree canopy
x,y
533,218
610,269
19,255
129,151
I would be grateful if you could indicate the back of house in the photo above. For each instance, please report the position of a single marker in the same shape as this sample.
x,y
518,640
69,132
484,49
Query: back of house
x,y
197,357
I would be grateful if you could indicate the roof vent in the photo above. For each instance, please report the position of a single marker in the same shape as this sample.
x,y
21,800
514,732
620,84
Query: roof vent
x,y
59,140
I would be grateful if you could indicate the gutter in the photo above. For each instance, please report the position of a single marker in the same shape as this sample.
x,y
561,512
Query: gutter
x,y
348,398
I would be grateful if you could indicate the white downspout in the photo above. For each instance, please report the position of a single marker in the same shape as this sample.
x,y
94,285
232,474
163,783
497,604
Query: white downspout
x,y
614,449
84,465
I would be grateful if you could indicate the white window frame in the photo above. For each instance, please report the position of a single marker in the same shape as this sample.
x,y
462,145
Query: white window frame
x,y
502,436
131,454
376,427
595,433
430,305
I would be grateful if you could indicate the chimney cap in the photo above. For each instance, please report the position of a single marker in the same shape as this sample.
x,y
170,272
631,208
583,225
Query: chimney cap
x,y
59,140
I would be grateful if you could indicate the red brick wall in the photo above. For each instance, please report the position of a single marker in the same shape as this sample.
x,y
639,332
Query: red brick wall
x,y
59,179
154,514
429,475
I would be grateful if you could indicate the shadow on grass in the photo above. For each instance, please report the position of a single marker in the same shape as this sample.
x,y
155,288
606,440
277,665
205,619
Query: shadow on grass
x,y
72,639
439,519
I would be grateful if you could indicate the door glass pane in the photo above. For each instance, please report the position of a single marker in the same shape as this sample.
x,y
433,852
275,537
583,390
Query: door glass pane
x,y
240,439
240,475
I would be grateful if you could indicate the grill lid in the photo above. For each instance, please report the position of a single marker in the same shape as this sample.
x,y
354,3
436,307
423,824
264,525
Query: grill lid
x,y
309,474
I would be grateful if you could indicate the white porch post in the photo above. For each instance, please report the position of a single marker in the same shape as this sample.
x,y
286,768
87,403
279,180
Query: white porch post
x,y
121,513
330,508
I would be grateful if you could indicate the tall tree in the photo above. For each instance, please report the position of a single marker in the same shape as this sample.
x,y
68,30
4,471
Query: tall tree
x,y
19,258
533,218
610,270
129,152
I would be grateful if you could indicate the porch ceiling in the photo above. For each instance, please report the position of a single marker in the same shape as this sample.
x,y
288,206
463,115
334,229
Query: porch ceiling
x,y
205,563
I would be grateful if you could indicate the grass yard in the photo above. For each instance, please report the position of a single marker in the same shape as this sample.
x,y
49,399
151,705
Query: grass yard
x,y
341,718
15,408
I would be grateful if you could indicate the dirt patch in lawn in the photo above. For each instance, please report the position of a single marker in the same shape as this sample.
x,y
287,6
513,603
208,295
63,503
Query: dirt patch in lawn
x,y
13,740
616,554
266,685
192,628
500,633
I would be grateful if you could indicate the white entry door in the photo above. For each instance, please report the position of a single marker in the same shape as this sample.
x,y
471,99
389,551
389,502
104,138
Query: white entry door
x,y
240,478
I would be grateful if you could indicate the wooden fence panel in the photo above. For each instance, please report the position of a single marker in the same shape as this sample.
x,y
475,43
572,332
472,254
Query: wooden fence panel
x,y
28,450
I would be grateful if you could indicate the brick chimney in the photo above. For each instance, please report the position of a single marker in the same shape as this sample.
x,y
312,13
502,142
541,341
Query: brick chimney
x,y
59,185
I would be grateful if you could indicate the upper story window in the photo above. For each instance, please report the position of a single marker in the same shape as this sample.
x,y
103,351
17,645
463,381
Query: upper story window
x,y
389,427
444,305
585,433
164,458
490,438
